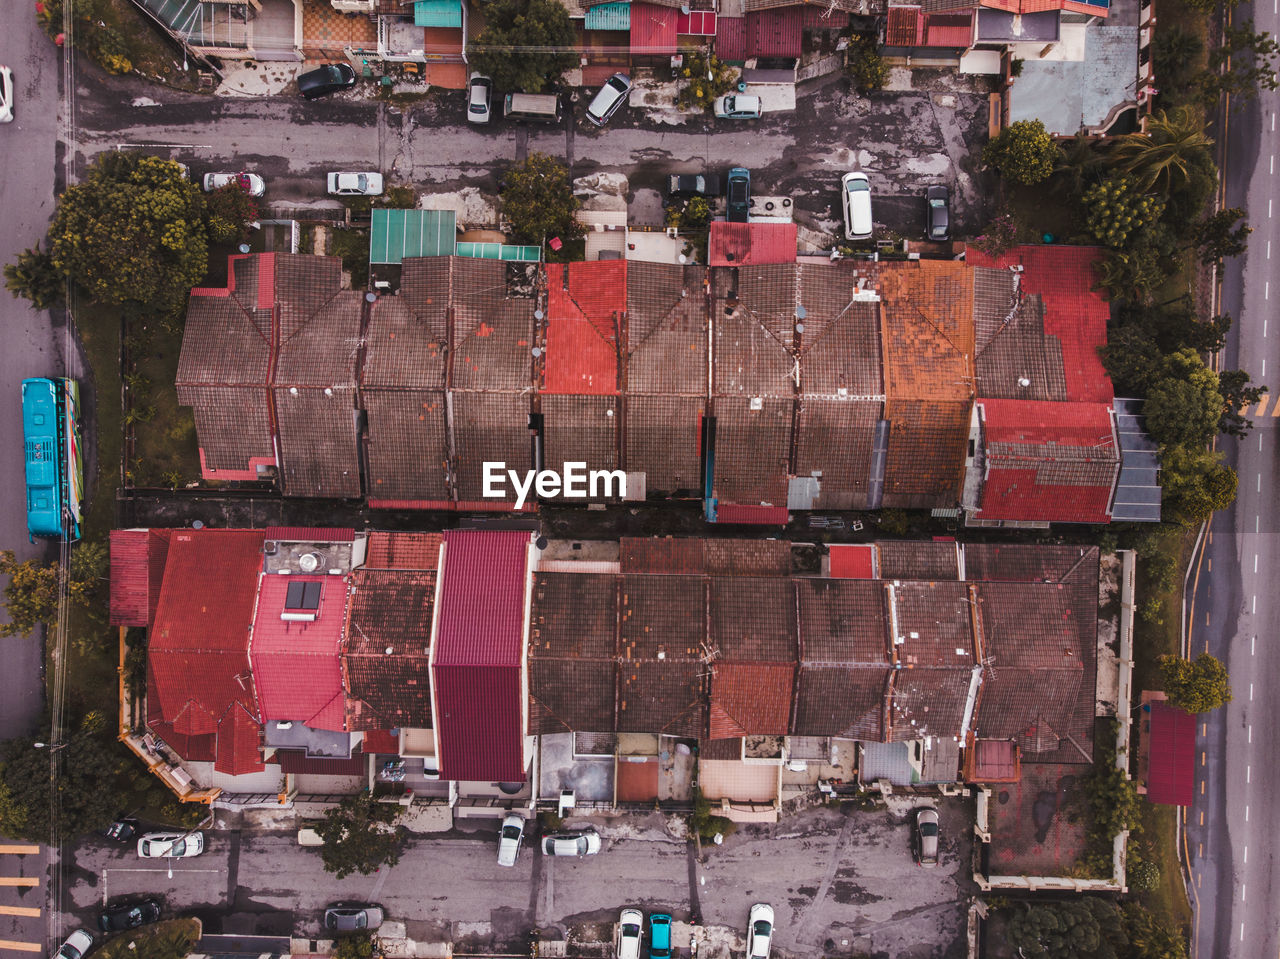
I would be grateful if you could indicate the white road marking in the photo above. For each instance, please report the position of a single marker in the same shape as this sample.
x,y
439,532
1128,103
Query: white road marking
x,y
1266,290
1252,644
1249,729
1255,555
1246,813
1273,160
1246,853
1254,608
1251,692
1268,209
1244,888
1242,932
1248,774
1259,490
1273,164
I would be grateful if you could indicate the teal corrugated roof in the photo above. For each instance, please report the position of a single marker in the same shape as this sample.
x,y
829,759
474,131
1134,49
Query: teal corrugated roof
x,y
500,251
437,13
396,235
608,16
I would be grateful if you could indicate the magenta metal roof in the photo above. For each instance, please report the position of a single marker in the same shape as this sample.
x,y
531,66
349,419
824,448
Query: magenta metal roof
x,y
1171,756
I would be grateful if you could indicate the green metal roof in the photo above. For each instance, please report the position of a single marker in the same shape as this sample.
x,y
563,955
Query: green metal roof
x,y
437,13
396,235
500,251
608,16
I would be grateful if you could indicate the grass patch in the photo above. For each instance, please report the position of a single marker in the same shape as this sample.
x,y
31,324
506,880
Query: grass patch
x,y
165,452
1039,210
170,939
152,54
1168,900
353,247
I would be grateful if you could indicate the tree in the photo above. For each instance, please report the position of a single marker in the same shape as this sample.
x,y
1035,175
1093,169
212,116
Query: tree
x,y
31,593
525,44
1184,406
133,231
1023,152
35,277
1117,209
1161,158
1083,928
706,77
868,69
230,211
538,201
87,764
1198,685
1237,394
1244,61
1195,483
999,236
1077,165
359,835
1218,237
1147,938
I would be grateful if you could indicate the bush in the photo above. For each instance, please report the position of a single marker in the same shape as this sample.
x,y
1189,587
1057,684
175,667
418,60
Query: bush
x,y
706,825
706,77
1117,210
868,69
1023,152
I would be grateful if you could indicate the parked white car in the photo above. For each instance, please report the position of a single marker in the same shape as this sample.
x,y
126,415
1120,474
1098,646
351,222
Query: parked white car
x,y
509,840
479,98
251,183
77,944
737,106
630,928
6,95
171,845
760,931
585,842
355,184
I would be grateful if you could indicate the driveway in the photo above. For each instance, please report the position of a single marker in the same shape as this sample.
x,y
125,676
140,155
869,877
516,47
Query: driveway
x,y
839,883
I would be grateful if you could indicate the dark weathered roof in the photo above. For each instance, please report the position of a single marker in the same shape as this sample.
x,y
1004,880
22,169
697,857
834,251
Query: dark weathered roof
x,y
662,440
318,436
1017,360
405,349
489,427
918,560
935,653
666,329
717,557
572,643
1031,563
662,614
752,450
843,621
387,648
845,463
407,448
754,309
666,697
753,619
751,699
582,429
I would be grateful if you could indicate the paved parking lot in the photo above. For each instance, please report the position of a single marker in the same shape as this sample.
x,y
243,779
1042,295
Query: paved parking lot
x,y
839,883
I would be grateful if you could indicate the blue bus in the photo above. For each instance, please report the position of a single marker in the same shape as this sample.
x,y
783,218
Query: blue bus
x,y
54,457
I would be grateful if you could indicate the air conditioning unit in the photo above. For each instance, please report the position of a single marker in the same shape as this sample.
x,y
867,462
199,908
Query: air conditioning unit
x,y
269,547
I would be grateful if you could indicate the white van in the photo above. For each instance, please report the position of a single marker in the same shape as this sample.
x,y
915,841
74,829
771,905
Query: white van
x,y
855,197
539,107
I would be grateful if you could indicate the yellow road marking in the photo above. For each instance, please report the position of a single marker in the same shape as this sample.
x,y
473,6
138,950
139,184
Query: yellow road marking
x,y
1200,850
21,946
1203,757
1275,410
1262,404
1202,817
19,881
19,910
20,850
1202,787
1244,410
1204,729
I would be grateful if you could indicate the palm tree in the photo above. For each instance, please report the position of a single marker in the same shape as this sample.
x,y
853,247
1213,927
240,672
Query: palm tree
x,y
1077,165
1161,157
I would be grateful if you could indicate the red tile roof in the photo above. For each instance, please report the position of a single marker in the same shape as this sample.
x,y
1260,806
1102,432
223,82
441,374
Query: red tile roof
x,y
774,33
381,741
583,325
948,30
731,38
905,27
853,562
751,698
137,570
476,674
295,664
1171,746
403,550
995,760
653,29
198,648
1074,313
752,244
1048,461
752,515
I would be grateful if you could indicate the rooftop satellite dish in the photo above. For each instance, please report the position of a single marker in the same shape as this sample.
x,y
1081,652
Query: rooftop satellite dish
x,y
308,562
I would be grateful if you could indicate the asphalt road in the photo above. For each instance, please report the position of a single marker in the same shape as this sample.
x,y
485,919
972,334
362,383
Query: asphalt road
x,y
904,140
1234,821
828,876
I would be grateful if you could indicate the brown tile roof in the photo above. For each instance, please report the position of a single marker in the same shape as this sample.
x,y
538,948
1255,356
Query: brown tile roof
x,y
750,699
662,441
925,464
662,614
935,654
233,424
845,465
663,697
388,610
754,309
581,429
840,346
1020,361
753,619
492,349
426,285
843,621
1039,646
223,343
404,349
717,557
666,329
1031,563
408,450
402,550
318,438
752,450
320,349
572,646
489,426
915,559
844,701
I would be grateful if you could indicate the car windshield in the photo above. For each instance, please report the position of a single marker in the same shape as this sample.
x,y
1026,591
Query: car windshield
x,y
178,848
738,191
928,829
761,928
618,84
510,832
937,204
855,186
630,931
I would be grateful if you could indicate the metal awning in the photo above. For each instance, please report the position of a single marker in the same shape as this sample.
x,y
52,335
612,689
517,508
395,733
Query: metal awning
x,y
1137,496
608,16
500,251
396,235
437,13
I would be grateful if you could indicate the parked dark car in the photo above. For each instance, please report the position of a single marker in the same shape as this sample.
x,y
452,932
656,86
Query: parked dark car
x,y
128,916
738,204
327,79
693,184
122,830
937,213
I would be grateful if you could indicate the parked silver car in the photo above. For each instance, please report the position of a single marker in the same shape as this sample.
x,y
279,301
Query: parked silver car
x,y
584,842
353,917
927,837
612,95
